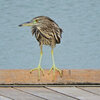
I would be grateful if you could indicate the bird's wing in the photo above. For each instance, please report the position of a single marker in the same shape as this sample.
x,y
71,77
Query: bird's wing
x,y
45,32
50,32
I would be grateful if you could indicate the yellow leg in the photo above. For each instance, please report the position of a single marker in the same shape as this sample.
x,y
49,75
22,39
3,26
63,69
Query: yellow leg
x,y
54,67
39,68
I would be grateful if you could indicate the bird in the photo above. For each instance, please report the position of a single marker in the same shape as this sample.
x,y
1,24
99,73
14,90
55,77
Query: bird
x,y
47,32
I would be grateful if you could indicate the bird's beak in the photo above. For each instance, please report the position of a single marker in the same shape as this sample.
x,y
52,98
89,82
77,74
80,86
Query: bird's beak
x,y
30,23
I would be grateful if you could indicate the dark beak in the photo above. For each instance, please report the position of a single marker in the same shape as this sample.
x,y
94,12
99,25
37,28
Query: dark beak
x,y
30,23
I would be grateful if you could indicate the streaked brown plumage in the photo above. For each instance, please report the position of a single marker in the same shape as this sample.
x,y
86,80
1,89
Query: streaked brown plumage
x,y
47,32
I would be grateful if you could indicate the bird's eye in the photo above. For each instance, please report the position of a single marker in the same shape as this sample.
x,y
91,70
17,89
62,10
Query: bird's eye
x,y
35,21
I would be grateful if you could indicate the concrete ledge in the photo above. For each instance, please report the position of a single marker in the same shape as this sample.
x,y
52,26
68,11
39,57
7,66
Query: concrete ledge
x,y
21,76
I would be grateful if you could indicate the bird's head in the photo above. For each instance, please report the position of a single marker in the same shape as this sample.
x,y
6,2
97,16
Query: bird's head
x,y
37,21
31,23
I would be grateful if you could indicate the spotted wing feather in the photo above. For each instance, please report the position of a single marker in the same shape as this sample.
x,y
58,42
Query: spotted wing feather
x,y
51,32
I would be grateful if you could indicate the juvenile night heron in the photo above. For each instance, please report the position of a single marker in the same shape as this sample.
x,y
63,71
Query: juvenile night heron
x,y
47,32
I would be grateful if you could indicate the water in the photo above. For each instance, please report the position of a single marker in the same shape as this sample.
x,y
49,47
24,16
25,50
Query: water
x,y
80,45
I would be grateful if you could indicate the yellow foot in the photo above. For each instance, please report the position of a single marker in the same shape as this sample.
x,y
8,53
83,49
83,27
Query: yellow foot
x,y
55,68
39,69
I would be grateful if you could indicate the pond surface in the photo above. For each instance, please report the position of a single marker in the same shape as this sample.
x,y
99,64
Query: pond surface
x,y
80,44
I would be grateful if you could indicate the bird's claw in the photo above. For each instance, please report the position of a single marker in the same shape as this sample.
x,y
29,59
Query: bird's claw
x,y
55,68
39,69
